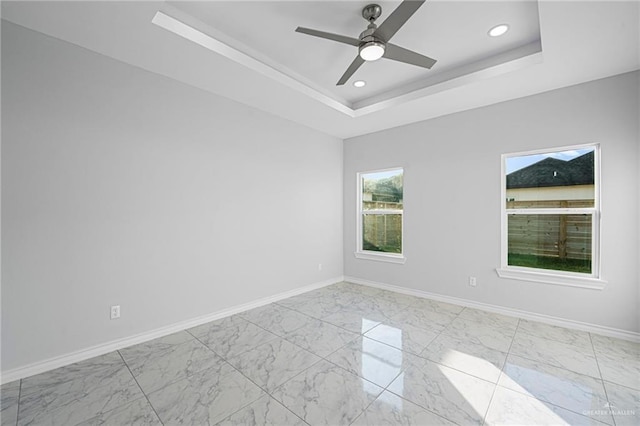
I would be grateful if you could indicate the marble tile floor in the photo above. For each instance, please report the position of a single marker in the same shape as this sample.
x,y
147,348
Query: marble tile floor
x,y
340,355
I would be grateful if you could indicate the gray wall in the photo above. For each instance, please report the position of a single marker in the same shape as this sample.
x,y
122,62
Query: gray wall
x,y
452,198
123,187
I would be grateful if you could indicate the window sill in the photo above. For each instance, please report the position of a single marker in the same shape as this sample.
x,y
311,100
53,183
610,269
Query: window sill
x,y
381,257
541,277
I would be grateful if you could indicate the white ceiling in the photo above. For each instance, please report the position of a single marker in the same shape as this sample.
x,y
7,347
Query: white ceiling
x,y
255,57
454,33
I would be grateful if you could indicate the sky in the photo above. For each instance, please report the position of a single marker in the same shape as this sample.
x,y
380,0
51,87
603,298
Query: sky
x,y
513,163
383,174
519,162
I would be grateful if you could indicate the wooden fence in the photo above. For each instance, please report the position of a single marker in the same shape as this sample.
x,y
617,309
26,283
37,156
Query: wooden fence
x,y
383,233
566,236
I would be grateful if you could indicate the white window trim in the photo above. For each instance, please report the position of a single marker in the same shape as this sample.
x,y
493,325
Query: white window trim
x,y
548,276
360,253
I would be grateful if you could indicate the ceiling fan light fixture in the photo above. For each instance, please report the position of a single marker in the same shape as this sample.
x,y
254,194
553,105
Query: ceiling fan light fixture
x,y
372,51
498,30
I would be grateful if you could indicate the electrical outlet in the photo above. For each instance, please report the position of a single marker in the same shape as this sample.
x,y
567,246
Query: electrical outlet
x,y
472,281
115,312
319,266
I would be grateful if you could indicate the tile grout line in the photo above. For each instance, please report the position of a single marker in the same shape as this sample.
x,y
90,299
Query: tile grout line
x,y
496,384
74,399
550,339
325,358
240,353
211,350
140,387
170,350
232,366
574,348
441,333
18,403
352,293
553,366
515,332
224,359
286,381
276,334
606,394
249,379
386,388
362,335
317,319
360,377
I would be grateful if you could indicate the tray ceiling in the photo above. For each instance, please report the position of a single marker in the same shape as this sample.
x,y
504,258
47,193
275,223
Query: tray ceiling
x,y
453,32
249,52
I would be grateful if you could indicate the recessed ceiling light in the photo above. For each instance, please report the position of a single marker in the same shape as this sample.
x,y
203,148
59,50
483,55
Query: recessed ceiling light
x,y
360,83
498,30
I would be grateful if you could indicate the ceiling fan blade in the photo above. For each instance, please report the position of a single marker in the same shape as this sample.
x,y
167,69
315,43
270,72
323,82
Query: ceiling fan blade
x,y
357,62
407,56
397,19
330,36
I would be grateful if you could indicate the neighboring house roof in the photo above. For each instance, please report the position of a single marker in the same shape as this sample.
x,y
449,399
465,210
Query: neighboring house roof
x,y
554,172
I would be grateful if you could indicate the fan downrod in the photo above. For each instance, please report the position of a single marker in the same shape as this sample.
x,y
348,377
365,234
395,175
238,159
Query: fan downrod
x,y
371,12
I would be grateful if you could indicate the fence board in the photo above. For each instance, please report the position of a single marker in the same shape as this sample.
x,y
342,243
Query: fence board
x,y
550,235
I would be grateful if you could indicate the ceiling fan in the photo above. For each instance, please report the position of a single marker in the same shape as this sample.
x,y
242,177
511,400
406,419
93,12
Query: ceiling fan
x,y
373,42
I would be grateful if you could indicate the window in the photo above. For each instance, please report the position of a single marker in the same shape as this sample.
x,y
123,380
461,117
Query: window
x,y
379,227
550,216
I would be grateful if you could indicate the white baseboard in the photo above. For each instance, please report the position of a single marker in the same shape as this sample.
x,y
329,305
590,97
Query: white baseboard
x,y
104,348
547,319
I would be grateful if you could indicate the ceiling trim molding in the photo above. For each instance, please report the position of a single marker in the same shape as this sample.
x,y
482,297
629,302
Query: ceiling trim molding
x,y
522,57
177,27
515,59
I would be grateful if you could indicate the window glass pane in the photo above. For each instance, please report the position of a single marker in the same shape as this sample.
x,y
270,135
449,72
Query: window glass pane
x,y
550,241
382,232
382,190
561,179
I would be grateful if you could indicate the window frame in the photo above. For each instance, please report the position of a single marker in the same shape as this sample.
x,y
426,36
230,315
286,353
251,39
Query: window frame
x,y
360,253
549,276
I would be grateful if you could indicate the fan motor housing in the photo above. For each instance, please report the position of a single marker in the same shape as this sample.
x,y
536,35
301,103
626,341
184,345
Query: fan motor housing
x,y
367,35
371,12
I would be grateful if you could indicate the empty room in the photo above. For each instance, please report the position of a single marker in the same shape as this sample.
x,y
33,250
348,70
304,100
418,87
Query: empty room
x,y
320,212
